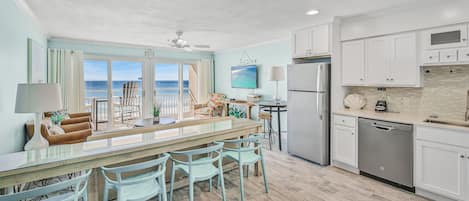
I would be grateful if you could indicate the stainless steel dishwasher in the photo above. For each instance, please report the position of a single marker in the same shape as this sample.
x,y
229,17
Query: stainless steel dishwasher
x,y
385,152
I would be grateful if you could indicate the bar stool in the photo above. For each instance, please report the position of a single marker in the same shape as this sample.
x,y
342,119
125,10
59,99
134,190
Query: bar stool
x,y
201,169
79,184
267,117
244,153
137,187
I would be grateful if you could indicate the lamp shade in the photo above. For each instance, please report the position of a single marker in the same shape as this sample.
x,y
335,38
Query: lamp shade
x,y
277,73
32,98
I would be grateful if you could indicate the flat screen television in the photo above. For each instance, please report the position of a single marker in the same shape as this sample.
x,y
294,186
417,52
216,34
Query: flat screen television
x,y
244,77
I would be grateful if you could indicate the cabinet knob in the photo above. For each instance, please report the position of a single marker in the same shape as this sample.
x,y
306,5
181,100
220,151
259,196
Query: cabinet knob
x,y
392,79
464,39
361,79
462,156
430,57
467,55
448,56
354,134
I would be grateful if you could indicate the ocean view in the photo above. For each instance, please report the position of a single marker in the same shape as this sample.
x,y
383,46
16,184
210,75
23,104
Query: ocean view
x,y
99,88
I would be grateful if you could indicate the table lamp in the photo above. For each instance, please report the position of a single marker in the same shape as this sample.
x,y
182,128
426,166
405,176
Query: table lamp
x,y
277,74
38,98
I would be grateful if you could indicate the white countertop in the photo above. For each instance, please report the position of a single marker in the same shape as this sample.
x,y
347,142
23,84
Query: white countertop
x,y
405,118
62,154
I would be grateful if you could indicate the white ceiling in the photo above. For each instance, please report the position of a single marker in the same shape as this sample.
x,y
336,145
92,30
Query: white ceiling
x,y
221,23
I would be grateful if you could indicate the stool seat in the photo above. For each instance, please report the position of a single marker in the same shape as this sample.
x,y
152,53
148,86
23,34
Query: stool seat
x,y
265,116
242,157
199,172
141,190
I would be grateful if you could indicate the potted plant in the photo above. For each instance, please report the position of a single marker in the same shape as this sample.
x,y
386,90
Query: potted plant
x,y
156,113
57,118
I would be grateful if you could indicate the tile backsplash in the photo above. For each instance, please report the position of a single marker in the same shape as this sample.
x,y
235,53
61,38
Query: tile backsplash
x,y
444,94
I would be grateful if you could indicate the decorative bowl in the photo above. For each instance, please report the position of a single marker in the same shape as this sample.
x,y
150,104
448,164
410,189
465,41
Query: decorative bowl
x,y
355,101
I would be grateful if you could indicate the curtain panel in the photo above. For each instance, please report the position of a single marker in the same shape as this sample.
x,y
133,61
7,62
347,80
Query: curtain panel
x,y
205,81
65,67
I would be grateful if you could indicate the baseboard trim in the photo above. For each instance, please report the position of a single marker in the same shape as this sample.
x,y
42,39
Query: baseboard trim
x,y
430,195
345,167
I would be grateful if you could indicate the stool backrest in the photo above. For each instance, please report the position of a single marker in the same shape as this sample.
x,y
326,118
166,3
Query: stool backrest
x,y
79,185
159,166
249,144
212,153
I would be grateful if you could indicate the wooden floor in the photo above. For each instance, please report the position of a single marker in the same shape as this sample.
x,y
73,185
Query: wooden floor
x,y
292,179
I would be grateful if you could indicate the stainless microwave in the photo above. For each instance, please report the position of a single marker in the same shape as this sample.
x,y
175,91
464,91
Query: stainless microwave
x,y
446,37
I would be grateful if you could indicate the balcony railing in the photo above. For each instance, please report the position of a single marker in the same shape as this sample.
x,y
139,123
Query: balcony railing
x,y
168,103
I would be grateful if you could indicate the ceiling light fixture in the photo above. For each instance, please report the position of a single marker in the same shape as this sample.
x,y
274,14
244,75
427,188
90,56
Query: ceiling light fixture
x,y
312,12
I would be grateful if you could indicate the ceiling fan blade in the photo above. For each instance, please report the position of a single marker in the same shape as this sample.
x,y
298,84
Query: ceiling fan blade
x,y
188,49
202,46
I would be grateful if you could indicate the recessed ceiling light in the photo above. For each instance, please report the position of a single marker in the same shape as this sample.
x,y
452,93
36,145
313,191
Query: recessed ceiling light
x,y
312,12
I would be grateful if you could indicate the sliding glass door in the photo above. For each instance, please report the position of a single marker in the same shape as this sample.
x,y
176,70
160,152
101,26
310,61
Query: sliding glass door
x,y
113,90
172,93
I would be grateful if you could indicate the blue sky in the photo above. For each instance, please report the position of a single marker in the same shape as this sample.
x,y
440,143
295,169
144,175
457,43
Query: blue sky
x,y
123,70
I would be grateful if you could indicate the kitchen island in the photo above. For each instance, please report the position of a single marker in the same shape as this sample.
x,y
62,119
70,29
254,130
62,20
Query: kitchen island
x,y
27,166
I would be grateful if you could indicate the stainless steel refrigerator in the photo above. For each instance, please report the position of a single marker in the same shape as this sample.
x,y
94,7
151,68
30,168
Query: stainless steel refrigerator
x,y
308,111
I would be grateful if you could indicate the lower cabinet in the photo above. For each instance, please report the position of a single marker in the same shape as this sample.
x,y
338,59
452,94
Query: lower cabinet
x,y
344,141
442,168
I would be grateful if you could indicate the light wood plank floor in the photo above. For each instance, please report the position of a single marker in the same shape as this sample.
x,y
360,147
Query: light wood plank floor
x,y
294,179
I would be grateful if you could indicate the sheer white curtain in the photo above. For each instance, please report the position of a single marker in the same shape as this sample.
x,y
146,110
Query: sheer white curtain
x,y
65,67
205,79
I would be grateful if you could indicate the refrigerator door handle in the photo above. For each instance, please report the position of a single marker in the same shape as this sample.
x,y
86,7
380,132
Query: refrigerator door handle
x,y
318,78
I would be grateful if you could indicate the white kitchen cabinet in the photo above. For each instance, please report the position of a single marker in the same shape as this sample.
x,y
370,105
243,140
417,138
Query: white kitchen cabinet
x,y
344,141
442,162
431,57
301,43
390,61
403,66
321,42
441,169
312,41
378,52
463,55
353,63
449,56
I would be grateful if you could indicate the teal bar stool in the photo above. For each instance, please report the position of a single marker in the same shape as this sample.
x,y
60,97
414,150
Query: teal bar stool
x,y
244,153
79,185
199,169
137,187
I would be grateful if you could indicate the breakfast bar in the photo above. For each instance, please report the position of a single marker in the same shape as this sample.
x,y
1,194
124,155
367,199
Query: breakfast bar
x,y
27,166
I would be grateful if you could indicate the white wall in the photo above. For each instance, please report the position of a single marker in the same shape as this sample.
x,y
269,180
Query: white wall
x,y
394,21
276,53
15,28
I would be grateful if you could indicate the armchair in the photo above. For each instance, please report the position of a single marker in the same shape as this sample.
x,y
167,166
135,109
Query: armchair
x,y
77,129
212,108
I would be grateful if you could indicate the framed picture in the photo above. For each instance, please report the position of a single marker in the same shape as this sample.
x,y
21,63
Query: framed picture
x,y
36,62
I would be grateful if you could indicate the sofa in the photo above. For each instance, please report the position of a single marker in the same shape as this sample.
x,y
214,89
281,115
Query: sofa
x,y
77,128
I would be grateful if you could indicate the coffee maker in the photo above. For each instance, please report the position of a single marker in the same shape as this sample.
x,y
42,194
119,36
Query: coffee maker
x,y
382,103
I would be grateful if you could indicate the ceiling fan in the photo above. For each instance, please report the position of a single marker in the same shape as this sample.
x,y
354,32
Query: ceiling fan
x,y
178,42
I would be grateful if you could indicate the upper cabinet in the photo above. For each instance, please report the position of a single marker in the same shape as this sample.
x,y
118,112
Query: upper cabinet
x,y
389,61
353,63
312,42
445,46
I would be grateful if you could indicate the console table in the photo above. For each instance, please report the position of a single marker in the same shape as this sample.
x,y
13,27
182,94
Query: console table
x,y
248,105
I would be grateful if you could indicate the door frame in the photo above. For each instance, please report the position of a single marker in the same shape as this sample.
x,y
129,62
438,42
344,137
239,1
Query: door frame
x,y
109,60
180,63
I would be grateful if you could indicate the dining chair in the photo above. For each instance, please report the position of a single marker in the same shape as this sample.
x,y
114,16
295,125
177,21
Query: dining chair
x,y
79,185
247,151
199,166
141,186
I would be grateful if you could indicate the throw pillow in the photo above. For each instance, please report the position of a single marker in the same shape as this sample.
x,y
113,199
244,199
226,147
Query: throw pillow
x,y
56,130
